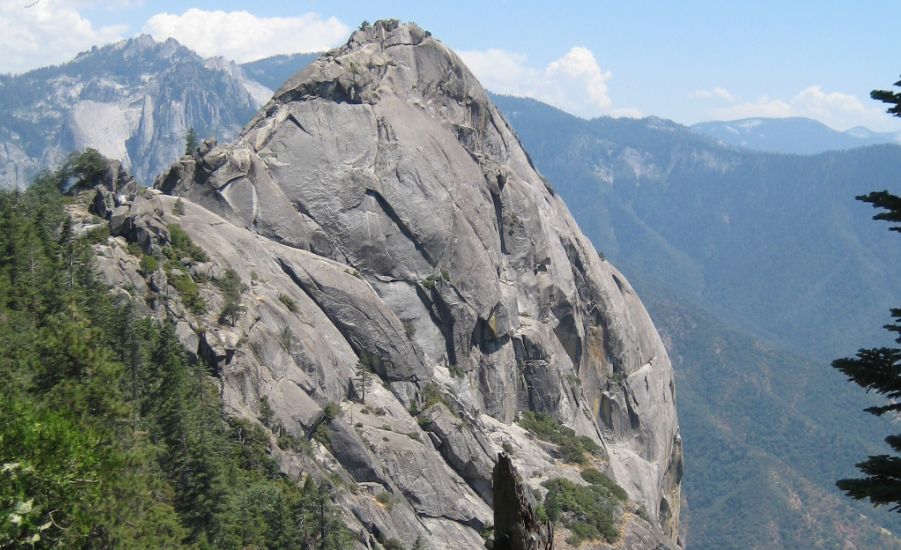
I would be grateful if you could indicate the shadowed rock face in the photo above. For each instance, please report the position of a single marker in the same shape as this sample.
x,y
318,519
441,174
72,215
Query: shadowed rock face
x,y
516,524
384,193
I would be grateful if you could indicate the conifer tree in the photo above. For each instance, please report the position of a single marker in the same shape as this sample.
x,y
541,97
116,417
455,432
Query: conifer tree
x,y
363,378
191,143
879,369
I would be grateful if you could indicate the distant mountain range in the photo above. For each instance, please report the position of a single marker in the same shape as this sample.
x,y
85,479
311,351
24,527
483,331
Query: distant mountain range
x,y
801,136
758,269
274,71
774,242
134,101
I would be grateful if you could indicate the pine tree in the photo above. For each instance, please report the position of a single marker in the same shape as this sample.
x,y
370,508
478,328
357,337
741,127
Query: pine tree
x,y
363,378
879,370
109,436
191,142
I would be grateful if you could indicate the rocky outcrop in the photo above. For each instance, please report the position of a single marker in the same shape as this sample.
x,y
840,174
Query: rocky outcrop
x,y
516,522
383,213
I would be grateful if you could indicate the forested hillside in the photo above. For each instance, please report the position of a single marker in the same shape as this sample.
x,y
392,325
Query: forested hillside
x,y
110,437
757,269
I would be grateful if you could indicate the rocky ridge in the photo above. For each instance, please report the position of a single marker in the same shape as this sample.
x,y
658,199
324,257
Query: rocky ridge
x,y
382,211
133,101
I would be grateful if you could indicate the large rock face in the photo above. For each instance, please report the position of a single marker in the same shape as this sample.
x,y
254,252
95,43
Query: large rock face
x,y
386,213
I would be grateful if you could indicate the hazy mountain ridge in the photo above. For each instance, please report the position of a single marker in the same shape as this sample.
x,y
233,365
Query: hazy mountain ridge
x,y
133,101
652,195
796,135
762,438
274,71
723,224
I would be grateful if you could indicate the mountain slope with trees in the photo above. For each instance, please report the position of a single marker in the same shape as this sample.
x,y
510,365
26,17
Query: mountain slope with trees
x,y
111,437
795,135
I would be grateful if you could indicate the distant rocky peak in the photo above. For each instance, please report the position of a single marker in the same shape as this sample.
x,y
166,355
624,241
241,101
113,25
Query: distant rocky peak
x,y
142,46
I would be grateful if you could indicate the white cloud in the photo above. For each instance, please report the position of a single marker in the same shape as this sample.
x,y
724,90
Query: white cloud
x,y
242,36
574,82
717,92
47,33
581,69
106,4
835,109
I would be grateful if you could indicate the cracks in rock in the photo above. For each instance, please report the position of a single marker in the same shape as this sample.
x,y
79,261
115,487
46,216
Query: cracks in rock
x,y
383,364
442,317
297,123
499,218
304,211
401,226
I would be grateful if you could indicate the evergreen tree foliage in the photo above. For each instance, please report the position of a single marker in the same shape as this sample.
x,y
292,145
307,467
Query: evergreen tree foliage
x,y
191,142
363,378
109,436
232,288
879,370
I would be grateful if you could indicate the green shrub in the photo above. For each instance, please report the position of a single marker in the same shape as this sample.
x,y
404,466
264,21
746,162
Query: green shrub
x,y
323,435
431,395
595,477
188,290
181,245
429,282
289,302
231,285
84,169
266,412
286,339
409,329
330,411
386,499
98,235
149,264
571,447
587,511
232,288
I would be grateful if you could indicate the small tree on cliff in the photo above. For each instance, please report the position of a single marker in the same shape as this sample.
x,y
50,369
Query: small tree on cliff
x,y
879,369
191,142
363,378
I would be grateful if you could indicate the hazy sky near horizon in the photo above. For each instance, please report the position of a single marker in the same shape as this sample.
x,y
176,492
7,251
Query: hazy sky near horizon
x,y
688,61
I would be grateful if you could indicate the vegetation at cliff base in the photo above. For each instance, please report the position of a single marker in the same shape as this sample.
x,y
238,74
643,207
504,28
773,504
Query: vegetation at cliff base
x,y
109,436
587,511
571,447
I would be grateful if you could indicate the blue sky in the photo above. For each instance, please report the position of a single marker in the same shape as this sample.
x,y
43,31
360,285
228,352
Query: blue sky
x,y
688,61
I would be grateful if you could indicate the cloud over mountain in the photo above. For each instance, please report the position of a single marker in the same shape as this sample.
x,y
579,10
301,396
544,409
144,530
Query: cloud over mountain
x,y
47,33
574,82
243,36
